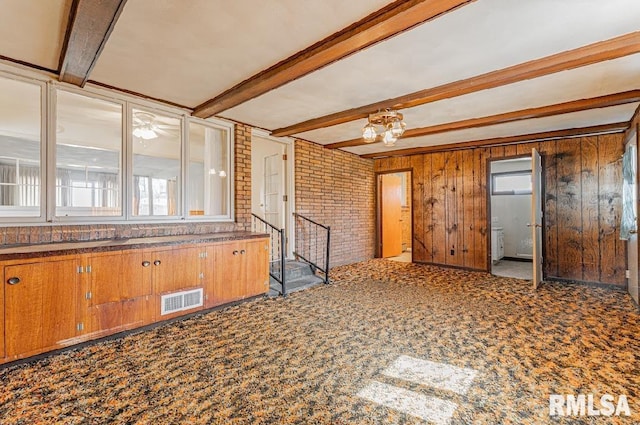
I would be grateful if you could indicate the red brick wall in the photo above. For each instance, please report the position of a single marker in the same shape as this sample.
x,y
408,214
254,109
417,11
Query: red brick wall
x,y
243,176
336,188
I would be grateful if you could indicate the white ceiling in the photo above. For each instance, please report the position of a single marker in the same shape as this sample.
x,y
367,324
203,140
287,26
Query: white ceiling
x,y
33,30
187,52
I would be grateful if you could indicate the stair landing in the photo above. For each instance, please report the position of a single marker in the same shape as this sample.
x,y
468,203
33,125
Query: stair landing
x,y
298,275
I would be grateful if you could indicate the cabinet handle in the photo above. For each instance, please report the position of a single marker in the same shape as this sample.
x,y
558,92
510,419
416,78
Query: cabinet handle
x,y
235,252
242,251
146,263
157,263
13,280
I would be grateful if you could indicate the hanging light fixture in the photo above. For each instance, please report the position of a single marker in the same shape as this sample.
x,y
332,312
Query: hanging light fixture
x,y
144,125
392,127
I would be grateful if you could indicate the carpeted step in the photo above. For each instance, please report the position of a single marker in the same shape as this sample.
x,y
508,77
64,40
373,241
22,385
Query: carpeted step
x,y
294,285
297,269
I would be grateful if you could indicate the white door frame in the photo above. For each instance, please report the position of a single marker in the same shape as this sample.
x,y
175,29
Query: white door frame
x,y
536,216
289,181
632,242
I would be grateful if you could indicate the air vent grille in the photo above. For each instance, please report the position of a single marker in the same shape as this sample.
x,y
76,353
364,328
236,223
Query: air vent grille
x,y
180,301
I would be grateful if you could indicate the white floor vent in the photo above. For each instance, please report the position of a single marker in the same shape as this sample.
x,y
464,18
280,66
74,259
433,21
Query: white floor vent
x,y
179,301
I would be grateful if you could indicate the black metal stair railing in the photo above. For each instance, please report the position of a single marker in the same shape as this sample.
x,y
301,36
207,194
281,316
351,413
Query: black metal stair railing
x,y
312,244
277,249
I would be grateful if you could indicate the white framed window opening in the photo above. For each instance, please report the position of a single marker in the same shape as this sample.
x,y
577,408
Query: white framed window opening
x,y
511,183
70,155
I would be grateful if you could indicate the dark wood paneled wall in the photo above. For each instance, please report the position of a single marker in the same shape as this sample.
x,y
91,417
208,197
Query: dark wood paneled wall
x,y
582,206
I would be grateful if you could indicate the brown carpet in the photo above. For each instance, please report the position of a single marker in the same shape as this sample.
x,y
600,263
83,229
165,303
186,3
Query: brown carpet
x,y
304,359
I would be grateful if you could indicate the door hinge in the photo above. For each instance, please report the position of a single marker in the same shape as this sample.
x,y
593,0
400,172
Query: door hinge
x,y
88,295
201,275
284,157
284,198
202,254
80,326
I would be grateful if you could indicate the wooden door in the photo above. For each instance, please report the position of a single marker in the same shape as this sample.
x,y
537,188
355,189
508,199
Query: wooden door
x,y
257,264
536,216
274,190
391,214
40,305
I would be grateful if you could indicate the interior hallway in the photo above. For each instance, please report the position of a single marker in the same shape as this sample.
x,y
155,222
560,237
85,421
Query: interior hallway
x,y
338,353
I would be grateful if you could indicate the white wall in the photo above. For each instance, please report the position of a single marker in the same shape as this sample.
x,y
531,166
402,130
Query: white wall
x,y
512,213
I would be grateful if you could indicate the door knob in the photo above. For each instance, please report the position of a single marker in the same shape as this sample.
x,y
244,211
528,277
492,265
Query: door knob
x,y
235,252
13,280
157,263
145,263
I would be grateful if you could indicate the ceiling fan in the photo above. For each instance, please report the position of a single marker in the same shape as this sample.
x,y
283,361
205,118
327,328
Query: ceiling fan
x,y
146,126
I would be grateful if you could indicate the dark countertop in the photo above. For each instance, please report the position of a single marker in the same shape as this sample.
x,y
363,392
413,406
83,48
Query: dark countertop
x,y
17,252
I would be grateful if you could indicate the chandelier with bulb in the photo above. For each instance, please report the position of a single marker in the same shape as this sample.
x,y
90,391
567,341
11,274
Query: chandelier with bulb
x,y
388,124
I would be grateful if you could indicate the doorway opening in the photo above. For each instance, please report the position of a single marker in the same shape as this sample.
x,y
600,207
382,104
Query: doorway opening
x,y
395,229
272,191
512,244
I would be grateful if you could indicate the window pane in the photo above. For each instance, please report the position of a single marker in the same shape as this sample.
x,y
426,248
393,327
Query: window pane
x,y
208,168
88,152
156,164
512,183
19,149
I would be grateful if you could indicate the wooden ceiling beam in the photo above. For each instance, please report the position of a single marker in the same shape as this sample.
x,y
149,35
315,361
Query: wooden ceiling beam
x,y
547,135
614,48
90,25
616,99
393,19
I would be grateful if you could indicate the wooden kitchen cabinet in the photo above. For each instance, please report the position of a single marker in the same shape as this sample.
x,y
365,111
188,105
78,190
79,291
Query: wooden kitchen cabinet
x,y
176,268
240,270
40,306
51,302
257,265
116,281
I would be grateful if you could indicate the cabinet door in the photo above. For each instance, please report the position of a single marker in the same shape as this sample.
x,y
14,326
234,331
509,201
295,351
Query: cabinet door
x,y
176,269
106,318
230,272
136,312
257,265
40,306
117,276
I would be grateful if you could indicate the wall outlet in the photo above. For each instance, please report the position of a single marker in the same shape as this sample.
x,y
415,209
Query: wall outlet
x,y
627,274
